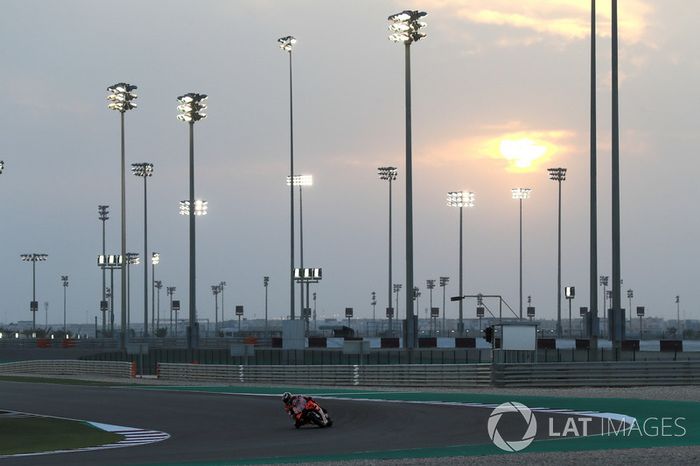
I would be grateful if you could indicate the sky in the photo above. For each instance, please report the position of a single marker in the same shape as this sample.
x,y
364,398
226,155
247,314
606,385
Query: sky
x,y
500,93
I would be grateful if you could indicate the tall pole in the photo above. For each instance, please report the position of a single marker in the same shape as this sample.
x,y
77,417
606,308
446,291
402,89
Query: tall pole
x,y
559,329
128,295
389,174
34,294
65,287
291,191
122,99
111,302
216,309
123,335
593,267
301,251
266,281
102,210
159,285
406,27
630,295
520,301
193,331
222,285
558,174
521,194
616,304
444,309
145,257
170,290
460,324
390,279
153,296
410,322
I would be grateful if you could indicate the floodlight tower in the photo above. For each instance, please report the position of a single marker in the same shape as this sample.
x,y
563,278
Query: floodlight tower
x,y
266,282
389,174
604,283
216,289
460,199
158,285
406,28
103,211
558,175
520,194
443,284
397,289
33,258
170,291
287,44
301,181
222,285
121,99
64,282
155,260
145,171
191,108
132,258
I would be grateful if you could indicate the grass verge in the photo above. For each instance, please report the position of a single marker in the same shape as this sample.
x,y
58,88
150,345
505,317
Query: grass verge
x,y
39,434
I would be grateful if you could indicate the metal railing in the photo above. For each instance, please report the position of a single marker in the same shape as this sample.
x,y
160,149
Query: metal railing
x,y
68,367
607,374
604,374
404,375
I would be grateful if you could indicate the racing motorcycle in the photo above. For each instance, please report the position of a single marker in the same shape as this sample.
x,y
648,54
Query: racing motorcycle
x,y
313,414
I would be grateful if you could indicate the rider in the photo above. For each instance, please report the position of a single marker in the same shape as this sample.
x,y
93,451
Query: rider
x,y
295,406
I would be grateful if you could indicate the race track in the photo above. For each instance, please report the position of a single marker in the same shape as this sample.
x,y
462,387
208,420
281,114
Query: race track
x,y
206,427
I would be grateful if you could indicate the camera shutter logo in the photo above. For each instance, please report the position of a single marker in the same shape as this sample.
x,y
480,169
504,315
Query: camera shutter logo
x,y
513,445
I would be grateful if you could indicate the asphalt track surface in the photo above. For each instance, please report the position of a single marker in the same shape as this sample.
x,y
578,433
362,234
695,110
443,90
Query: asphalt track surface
x,y
216,427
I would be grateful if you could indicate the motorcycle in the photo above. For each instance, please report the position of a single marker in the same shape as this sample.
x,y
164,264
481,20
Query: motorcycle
x,y
313,414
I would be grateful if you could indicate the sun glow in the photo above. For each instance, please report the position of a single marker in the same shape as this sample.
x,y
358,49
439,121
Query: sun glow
x,y
521,153
526,151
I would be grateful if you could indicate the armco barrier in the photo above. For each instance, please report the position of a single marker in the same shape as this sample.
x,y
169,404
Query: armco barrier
x,y
590,374
68,367
399,375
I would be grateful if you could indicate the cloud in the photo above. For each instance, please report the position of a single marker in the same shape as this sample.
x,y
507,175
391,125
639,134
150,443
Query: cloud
x,y
563,19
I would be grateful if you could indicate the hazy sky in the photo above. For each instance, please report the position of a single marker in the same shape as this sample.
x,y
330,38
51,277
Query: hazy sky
x,y
494,79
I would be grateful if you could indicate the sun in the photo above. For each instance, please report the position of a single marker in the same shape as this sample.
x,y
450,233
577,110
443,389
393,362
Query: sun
x,y
522,153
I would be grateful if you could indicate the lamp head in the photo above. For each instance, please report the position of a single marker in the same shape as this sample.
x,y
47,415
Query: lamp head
x,y
192,107
460,199
406,26
121,97
387,173
521,193
287,43
144,169
557,174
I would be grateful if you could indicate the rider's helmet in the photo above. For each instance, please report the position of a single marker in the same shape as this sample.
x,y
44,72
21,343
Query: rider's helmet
x,y
286,397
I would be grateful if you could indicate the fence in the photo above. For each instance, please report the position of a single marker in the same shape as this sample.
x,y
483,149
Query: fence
x,y
68,367
608,374
404,375
604,374
146,363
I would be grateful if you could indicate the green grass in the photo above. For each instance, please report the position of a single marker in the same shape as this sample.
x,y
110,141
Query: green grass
x,y
37,434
